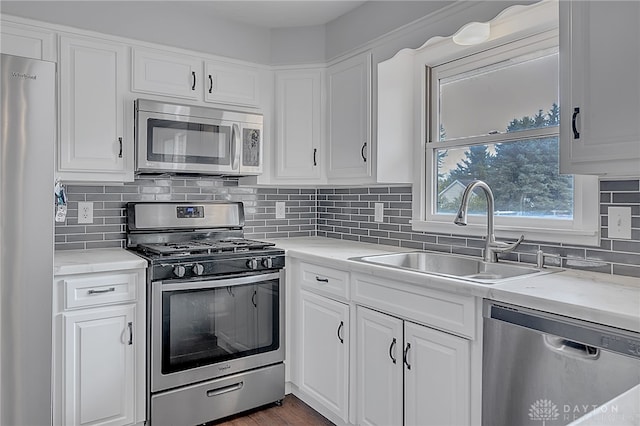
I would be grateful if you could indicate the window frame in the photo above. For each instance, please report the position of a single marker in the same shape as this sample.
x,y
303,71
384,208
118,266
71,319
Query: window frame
x,y
583,229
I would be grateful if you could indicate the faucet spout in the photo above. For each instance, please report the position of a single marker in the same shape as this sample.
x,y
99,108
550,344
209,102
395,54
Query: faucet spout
x,y
492,247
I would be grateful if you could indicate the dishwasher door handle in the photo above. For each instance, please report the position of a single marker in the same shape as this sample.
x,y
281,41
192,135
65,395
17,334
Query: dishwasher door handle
x,y
571,347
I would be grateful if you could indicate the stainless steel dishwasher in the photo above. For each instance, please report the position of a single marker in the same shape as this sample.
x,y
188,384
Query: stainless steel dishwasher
x,y
546,369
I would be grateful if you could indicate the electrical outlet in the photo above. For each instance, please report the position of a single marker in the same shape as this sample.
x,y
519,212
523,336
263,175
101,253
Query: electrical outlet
x,y
619,222
378,212
280,210
85,212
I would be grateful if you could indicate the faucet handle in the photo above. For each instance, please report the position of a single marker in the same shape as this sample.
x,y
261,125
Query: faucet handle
x,y
502,247
540,255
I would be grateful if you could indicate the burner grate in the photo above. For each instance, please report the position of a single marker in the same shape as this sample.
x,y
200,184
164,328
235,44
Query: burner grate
x,y
186,248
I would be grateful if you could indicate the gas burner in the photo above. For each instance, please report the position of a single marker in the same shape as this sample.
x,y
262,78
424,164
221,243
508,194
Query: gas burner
x,y
198,247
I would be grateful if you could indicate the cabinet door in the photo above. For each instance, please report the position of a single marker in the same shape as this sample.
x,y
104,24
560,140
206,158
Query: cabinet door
x,y
600,87
298,124
349,132
324,351
162,73
92,80
229,84
26,41
379,368
99,366
437,377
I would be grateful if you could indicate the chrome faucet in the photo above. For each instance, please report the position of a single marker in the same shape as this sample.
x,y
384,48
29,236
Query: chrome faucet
x,y
492,247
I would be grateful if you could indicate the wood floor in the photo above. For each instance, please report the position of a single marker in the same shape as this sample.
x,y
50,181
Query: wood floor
x,y
293,412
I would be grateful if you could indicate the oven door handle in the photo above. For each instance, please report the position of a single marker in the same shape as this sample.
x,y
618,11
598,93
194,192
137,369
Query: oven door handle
x,y
193,285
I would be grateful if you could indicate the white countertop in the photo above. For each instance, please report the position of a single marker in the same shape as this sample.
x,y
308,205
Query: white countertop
x,y
606,299
67,262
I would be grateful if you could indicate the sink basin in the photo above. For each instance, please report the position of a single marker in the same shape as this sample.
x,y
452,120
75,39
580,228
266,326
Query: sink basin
x,y
461,267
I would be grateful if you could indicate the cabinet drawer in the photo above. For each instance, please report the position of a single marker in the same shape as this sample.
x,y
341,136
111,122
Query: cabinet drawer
x,y
81,291
449,312
324,280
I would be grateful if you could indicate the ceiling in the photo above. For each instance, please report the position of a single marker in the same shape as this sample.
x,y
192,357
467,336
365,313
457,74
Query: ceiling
x,y
277,14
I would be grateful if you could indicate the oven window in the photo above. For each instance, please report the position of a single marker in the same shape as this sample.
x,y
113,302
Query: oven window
x,y
181,142
202,327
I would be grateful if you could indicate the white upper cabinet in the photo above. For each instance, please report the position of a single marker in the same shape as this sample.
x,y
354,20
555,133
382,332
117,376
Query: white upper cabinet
x,y
229,84
170,74
600,87
20,40
298,96
93,145
161,73
349,118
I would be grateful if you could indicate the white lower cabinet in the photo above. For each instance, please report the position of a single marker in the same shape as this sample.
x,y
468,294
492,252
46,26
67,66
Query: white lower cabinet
x,y
379,368
437,381
374,351
99,348
324,351
99,365
397,358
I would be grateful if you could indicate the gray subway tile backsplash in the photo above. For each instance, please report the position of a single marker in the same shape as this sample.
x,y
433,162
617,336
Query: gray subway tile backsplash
x,y
343,213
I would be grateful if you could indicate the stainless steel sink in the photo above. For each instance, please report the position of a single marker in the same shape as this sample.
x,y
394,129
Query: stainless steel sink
x,y
454,266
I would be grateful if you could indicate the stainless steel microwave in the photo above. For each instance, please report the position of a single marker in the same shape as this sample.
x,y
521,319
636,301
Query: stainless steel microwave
x,y
172,138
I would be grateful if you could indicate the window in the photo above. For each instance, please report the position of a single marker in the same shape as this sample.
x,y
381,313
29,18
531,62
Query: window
x,y
494,116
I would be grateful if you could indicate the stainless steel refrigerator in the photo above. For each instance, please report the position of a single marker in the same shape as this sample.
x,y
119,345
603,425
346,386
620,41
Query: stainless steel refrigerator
x,y
28,123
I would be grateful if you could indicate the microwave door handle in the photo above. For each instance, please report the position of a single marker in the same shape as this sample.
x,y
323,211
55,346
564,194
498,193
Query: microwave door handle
x,y
235,152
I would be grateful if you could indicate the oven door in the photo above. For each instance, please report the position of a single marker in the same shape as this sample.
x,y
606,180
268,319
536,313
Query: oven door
x,y
179,143
206,329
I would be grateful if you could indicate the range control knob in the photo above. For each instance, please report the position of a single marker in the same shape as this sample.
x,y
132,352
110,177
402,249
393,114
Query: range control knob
x,y
198,269
267,262
179,271
252,264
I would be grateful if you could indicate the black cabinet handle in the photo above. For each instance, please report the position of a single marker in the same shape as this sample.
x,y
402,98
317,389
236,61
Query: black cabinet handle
x,y
406,356
339,329
210,84
130,326
315,153
253,299
391,348
193,86
322,280
576,134
120,153
362,152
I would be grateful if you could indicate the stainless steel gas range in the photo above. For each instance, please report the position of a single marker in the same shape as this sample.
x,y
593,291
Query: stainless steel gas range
x,y
215,311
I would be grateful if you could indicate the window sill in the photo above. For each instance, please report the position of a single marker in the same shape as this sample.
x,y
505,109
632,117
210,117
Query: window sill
x,y
563,236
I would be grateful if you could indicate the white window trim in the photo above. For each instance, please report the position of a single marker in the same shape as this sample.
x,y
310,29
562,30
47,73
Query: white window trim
x,y
582,230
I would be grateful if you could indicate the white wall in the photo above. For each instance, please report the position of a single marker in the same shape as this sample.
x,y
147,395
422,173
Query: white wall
x,y
299,45
374,19
178,24
190,25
